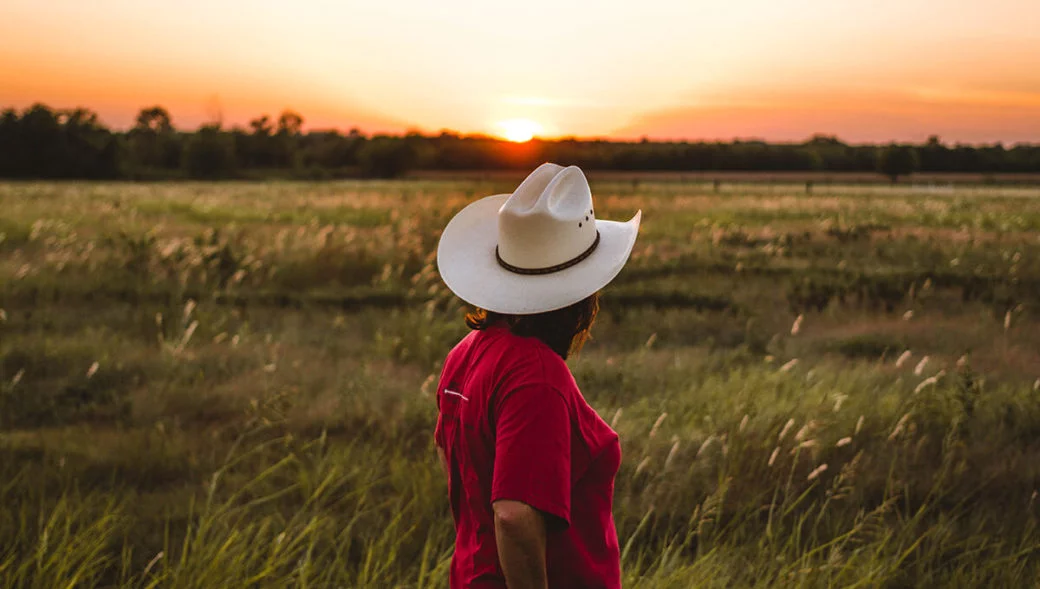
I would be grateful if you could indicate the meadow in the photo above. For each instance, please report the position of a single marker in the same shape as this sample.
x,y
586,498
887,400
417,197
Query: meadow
x,y
231,384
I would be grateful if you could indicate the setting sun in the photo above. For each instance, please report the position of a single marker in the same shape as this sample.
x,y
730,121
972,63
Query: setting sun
x,y
519,130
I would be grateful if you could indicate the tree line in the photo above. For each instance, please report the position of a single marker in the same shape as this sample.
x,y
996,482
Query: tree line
x,y
44,143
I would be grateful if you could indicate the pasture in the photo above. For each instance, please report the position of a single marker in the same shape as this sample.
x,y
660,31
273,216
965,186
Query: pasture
x,y
230,384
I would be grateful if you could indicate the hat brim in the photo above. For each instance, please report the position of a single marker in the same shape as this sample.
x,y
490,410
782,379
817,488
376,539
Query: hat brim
x,y
467,264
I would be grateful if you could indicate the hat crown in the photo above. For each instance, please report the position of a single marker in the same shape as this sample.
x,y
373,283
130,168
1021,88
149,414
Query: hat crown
x,y
548,220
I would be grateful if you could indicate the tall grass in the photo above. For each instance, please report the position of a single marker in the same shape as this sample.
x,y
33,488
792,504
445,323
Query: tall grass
x,y
196,396
716,489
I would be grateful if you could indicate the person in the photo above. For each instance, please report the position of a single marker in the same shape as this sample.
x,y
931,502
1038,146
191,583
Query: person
x,y
530,464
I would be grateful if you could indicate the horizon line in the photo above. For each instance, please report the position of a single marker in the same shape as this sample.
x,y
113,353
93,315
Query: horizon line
x,y
407,130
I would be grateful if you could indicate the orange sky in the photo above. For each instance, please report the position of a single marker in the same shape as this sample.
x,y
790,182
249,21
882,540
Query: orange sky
x,y
967,70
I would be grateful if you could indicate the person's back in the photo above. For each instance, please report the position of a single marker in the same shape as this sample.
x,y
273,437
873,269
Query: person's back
x,y
530,464
514,426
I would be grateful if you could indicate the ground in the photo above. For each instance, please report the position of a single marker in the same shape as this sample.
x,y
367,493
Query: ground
x,y
231,384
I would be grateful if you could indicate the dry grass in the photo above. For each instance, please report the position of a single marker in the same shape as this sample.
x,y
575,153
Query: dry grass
x,y
273,429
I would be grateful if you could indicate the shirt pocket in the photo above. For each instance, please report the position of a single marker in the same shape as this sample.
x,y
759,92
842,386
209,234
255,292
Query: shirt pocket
x,y
449,420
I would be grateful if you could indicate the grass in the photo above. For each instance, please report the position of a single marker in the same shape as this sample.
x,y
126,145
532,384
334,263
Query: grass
x,y
231,385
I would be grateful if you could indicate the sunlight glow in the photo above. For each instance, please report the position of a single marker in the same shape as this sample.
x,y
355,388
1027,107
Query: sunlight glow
x,y
519,130
663,69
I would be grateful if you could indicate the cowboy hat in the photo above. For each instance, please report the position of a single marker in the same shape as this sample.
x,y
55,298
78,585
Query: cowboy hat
x,y
538,249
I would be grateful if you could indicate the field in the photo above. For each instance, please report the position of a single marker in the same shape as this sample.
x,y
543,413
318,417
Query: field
x,y
230,385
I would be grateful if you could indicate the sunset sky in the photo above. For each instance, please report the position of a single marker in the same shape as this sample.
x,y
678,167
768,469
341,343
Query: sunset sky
x,y
878,70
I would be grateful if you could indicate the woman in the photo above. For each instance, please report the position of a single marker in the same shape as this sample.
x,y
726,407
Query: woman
x,y
530,465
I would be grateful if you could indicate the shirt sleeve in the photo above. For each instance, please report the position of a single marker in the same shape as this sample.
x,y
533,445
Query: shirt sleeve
x,y
533,451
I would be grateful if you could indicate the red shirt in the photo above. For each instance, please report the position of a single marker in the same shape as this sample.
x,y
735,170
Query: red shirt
x,y
514,425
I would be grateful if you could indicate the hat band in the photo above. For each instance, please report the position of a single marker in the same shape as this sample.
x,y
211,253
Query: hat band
x,y
550,269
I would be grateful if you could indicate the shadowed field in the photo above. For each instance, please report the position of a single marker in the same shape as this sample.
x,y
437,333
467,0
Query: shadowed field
x,y
211,385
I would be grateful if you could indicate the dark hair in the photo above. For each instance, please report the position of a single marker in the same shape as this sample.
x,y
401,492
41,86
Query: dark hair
x,y
564,330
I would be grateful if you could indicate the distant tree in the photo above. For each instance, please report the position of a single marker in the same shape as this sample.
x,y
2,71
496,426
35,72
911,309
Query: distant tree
x,y
45,143
9,142
386,157
41,138
290,123
41,142
270,143
329,150
816,159
155,119
821,139
209,154
261,126
89,150
153,141
257,149
934,156
897,160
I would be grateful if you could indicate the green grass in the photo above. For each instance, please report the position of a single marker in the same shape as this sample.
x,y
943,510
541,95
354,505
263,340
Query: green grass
x,y
260,412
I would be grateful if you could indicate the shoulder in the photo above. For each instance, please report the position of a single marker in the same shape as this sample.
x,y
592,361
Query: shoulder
x,y
463,345
531,362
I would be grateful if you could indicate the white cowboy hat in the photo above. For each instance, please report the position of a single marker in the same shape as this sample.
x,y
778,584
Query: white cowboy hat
x,y
538,249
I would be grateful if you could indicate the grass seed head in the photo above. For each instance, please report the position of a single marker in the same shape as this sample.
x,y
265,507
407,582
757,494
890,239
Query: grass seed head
x,y
93,369
931,380
188,308
919,369
651,340
153,562
804,445
903,358
797,325
805,431
789,365
671,454
844,442
900,426
424,389
187,335
859,425
704,446
642,465
838,400
657,424
787,428
817,472
772,457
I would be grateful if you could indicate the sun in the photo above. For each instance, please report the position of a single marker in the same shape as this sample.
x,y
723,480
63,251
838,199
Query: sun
x,y
519,130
